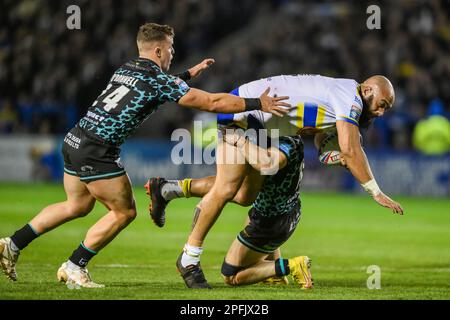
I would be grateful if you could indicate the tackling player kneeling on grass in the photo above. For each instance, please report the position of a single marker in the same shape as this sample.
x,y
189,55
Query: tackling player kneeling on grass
x,y
272,219
254,256
92,168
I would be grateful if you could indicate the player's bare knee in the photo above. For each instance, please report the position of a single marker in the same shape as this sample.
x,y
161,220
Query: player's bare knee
x,y
246,195
227,192
133,211
132,214
243,199
79,208
128,215
125,211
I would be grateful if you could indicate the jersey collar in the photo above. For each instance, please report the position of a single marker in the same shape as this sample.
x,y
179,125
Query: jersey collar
x,y
147,62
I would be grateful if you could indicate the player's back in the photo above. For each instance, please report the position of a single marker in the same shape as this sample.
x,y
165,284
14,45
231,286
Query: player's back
x,y
308,87
317,102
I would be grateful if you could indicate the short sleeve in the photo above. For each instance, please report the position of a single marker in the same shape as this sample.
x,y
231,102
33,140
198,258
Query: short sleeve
x,y
346,101
170,88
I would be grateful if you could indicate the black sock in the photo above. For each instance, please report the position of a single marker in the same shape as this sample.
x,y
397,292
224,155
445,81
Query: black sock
x,y
24,236
282,267
82,255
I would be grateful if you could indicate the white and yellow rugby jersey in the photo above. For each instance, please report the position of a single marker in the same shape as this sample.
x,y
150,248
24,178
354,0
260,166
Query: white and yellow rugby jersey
x,y
317,103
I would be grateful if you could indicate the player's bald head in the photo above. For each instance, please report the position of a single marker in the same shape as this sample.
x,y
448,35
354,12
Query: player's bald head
x,y
378,97
381,86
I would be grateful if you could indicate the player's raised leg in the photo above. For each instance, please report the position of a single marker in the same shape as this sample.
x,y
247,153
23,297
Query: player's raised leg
x,y
231,172
78,204
116,194
162,191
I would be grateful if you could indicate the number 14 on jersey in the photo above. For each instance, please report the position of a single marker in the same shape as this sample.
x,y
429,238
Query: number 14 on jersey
x,y
112,100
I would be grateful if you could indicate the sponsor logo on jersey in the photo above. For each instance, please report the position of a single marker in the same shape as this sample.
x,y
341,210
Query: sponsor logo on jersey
x,y
355,112
358,100
72,140
119,163
183,85
83,262
87,168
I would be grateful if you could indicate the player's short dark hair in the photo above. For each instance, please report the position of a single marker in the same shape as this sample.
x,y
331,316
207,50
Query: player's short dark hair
x,y
152,32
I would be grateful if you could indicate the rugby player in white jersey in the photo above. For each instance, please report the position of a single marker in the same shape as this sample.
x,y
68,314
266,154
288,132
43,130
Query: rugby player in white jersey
x,y
321,104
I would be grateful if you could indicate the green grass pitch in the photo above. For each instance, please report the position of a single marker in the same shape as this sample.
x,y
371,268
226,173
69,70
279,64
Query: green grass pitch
x,y
343,234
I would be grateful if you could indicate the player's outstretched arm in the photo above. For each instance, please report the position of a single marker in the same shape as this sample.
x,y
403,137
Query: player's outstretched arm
x,y
267,161
228,103
358,164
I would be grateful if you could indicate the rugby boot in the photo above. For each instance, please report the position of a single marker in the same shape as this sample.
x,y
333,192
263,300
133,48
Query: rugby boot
x,y
8,259
301,271
192,275
157,207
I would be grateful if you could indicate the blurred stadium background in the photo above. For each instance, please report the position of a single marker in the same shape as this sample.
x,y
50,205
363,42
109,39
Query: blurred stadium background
x,y
49,75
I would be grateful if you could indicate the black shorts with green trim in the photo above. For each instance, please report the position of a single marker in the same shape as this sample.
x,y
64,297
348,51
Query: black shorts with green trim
x,y
266,234
90,159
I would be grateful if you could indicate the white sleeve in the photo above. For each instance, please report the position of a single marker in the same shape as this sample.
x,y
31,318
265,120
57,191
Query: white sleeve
x,y
346,102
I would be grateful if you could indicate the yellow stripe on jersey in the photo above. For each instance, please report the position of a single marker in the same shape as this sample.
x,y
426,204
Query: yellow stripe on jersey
x,y
300,110
320,116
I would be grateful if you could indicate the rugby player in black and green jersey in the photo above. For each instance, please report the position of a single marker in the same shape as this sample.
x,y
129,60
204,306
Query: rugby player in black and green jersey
x,y
91,150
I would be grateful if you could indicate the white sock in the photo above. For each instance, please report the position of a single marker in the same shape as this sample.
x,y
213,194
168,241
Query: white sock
x,y
171,190
13,246
191,255
72,266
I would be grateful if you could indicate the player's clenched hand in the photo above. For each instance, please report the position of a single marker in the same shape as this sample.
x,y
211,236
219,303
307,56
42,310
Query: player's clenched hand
x,y
274,105
387,202
197,69
342,161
